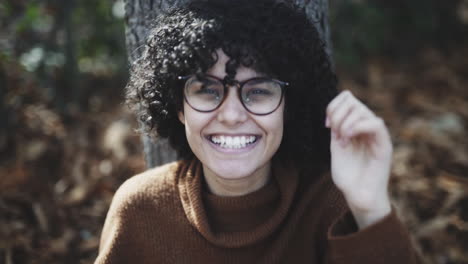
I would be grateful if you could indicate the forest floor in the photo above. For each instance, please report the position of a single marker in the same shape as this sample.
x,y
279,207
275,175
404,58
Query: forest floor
x,y
58,174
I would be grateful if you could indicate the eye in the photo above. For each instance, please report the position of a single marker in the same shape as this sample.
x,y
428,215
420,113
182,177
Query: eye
x,y
205,89
259,91
257,95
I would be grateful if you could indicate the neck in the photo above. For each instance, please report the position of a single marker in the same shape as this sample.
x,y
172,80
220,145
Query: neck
x,y
237,187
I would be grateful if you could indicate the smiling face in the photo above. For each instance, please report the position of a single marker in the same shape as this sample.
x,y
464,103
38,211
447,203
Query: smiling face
x,y
230,142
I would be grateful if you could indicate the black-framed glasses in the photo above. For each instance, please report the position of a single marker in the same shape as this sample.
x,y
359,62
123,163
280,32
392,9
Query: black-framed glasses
x,y
259,95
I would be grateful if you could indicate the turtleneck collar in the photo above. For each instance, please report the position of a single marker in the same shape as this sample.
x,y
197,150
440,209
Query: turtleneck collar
x,y
234,222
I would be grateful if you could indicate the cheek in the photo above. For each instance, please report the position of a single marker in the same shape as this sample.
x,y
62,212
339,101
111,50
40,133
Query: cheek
x,y
280,124
275,125
280,118
194,122
280,128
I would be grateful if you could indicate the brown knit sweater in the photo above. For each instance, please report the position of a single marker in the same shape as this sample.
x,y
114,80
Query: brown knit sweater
x,y
166,215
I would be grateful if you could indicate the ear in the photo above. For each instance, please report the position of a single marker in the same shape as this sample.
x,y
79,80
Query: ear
x,y
181,117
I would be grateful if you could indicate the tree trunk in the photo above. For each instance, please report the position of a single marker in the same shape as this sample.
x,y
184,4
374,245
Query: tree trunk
x,y
139,12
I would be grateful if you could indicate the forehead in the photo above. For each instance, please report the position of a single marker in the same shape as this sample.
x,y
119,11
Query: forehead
x,y
219,69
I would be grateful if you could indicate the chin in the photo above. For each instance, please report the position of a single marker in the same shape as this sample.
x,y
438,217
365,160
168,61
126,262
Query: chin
x,y
238,169
230,172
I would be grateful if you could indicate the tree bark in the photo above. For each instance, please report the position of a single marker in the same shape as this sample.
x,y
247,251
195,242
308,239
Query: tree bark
x,y
138,14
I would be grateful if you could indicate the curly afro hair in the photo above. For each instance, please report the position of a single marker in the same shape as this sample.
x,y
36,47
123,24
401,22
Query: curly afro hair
x,y
273,38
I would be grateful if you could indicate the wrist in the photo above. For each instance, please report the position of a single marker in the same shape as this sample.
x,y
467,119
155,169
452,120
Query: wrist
x,y
366,216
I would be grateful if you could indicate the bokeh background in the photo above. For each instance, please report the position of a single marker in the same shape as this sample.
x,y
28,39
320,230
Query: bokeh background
x,y
67,141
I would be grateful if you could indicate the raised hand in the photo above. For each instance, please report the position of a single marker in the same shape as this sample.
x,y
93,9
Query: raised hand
x,y
361,153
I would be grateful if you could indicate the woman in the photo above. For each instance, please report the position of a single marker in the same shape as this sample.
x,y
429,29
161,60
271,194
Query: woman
x,y
245,93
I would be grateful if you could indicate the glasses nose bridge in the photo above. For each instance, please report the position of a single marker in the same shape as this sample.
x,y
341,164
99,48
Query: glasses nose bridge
x,y
231,109
232,84
227,103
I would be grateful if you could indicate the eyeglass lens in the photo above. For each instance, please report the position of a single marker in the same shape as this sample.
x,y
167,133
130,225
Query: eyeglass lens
x,y
258,95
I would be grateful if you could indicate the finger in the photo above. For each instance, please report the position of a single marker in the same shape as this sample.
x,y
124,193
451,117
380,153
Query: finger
x,y
374,129
351,108
331,108
363,137
339,115
357,114
339,110
366,126
357,108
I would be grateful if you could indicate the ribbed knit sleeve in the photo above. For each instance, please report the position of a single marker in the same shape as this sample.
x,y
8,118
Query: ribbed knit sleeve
x,y
384,242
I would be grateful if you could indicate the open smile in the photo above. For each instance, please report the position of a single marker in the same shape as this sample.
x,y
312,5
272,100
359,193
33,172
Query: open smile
x,y
233,142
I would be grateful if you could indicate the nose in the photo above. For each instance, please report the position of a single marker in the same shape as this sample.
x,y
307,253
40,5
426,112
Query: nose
x,y
232,112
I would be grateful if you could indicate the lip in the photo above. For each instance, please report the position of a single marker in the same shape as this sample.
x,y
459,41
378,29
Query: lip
x,y
233,150
232,134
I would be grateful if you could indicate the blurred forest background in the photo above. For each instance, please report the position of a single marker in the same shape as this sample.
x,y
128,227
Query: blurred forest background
x,y
67,141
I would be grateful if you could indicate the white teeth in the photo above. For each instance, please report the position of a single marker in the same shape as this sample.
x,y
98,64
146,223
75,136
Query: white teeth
x,y
233,142
242,141
236,142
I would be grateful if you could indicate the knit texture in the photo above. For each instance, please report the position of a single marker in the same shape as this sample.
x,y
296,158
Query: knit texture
x,y
167,215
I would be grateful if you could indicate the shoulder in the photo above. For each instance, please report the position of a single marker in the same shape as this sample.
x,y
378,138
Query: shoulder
x,y
153,185
142,197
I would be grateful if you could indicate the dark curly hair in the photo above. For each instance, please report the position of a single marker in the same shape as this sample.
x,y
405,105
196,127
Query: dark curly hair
x,y
273,38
